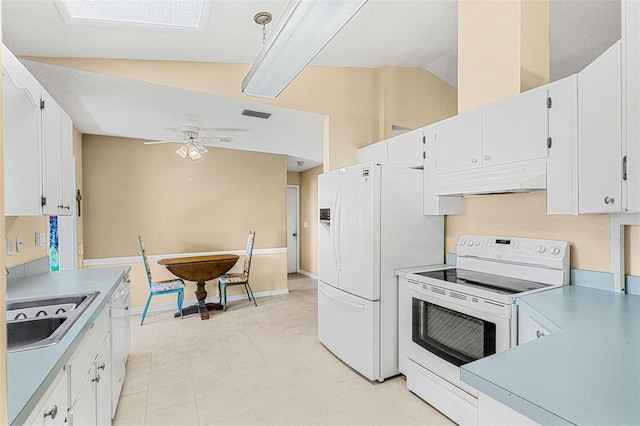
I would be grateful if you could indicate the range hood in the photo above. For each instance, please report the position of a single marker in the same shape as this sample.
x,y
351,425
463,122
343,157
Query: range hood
x,y
512,177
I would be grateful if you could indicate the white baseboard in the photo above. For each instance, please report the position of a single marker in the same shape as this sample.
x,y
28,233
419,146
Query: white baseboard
x,y
308,274
137,310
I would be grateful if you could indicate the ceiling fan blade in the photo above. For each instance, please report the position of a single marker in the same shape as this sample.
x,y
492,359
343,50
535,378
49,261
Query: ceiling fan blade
x,y
158,142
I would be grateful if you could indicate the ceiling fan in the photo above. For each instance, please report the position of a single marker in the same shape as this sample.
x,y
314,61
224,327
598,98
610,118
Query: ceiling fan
x,y
194,143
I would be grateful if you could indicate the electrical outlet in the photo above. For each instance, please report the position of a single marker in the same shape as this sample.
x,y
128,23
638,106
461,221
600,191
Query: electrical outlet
x,y
11,244
19,243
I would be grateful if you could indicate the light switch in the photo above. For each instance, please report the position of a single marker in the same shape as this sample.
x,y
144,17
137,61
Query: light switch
x,y
40,242
305,225
19,243
11,244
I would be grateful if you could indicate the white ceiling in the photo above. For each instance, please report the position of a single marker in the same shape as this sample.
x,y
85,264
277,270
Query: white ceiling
x,y
413,33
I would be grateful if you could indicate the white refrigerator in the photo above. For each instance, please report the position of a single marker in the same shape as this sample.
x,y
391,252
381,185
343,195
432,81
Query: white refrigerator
x,y
371,222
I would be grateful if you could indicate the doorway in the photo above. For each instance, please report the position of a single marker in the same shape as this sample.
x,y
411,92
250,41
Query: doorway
x,y
293,250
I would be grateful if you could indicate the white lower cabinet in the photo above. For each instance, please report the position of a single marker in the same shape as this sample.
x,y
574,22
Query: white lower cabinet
x,y
529,328
52,408
90,376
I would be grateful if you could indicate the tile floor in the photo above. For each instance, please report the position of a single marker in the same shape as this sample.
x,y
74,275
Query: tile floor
x,y
254,366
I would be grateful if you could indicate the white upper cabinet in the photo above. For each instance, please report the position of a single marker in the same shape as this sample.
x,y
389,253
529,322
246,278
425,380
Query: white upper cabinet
x,y
435,205
406,149
631,101
59,182
600,159
376,152
21,130
38,142
456,143
562,161
515,129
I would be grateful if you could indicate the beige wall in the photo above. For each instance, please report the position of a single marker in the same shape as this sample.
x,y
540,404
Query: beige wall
x,y
26,227
309,216
413,98
180,206
632,250
525,215
132,188
293,178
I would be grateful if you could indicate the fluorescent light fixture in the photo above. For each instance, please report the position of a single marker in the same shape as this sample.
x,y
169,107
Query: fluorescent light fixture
x,y
174,13
303,29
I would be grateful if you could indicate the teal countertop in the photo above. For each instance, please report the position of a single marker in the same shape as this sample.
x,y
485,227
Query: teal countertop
x,y
586,372
31,372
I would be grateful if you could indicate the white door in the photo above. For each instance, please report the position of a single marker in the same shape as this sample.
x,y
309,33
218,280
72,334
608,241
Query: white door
x,y
357,222
292,229
328,184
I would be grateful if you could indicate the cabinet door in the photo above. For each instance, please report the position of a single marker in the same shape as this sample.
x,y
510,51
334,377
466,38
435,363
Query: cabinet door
x,y
52,410
406,149
562,163
435,205
457,143
630,121
528,328
83,412
599,135
68,165
515,129
376,152
21,131
103,383
52,147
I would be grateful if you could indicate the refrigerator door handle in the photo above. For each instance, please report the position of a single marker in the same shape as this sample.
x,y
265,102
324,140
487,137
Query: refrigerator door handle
x,y
358,306
338,232
333,229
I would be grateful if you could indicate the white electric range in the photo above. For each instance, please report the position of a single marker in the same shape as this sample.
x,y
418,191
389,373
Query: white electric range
x,y
463,313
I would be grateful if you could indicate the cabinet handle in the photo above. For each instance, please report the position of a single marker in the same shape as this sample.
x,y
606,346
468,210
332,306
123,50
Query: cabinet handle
x,y
487,157
609,200
53,412
539,334
474,160
126,308
97,379
101,366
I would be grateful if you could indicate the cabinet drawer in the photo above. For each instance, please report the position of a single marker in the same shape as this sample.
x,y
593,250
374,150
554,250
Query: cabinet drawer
x,y
82,360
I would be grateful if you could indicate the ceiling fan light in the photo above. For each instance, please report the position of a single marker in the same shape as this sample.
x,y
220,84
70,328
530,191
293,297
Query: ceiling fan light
x,y
194,154
182,151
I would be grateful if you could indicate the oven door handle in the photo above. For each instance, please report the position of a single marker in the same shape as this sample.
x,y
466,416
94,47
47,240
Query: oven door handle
x,y
358,306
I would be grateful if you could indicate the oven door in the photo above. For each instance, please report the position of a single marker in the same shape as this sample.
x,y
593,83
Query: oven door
x,y
446,334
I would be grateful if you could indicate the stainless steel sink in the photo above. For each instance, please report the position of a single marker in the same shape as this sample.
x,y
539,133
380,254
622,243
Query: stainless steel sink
x,y
37,322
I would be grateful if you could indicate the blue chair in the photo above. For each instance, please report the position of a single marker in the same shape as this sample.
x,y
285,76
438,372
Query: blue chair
x,y
239,278
160,287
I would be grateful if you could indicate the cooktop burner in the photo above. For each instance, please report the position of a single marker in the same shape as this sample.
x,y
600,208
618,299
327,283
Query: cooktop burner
x,y
495,283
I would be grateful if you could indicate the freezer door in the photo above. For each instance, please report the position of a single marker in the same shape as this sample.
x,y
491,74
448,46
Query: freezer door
x,y
349,327
328,186
359,230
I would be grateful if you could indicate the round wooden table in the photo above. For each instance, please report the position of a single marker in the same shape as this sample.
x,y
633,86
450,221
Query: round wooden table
x,y
200,269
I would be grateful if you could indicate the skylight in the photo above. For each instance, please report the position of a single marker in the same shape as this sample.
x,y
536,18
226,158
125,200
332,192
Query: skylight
x,y
174,13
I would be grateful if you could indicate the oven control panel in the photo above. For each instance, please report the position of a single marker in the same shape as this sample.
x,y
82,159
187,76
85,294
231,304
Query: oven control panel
x,y
548,253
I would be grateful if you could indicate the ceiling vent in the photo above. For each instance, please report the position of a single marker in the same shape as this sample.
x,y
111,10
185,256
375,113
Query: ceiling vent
x,y
256,114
